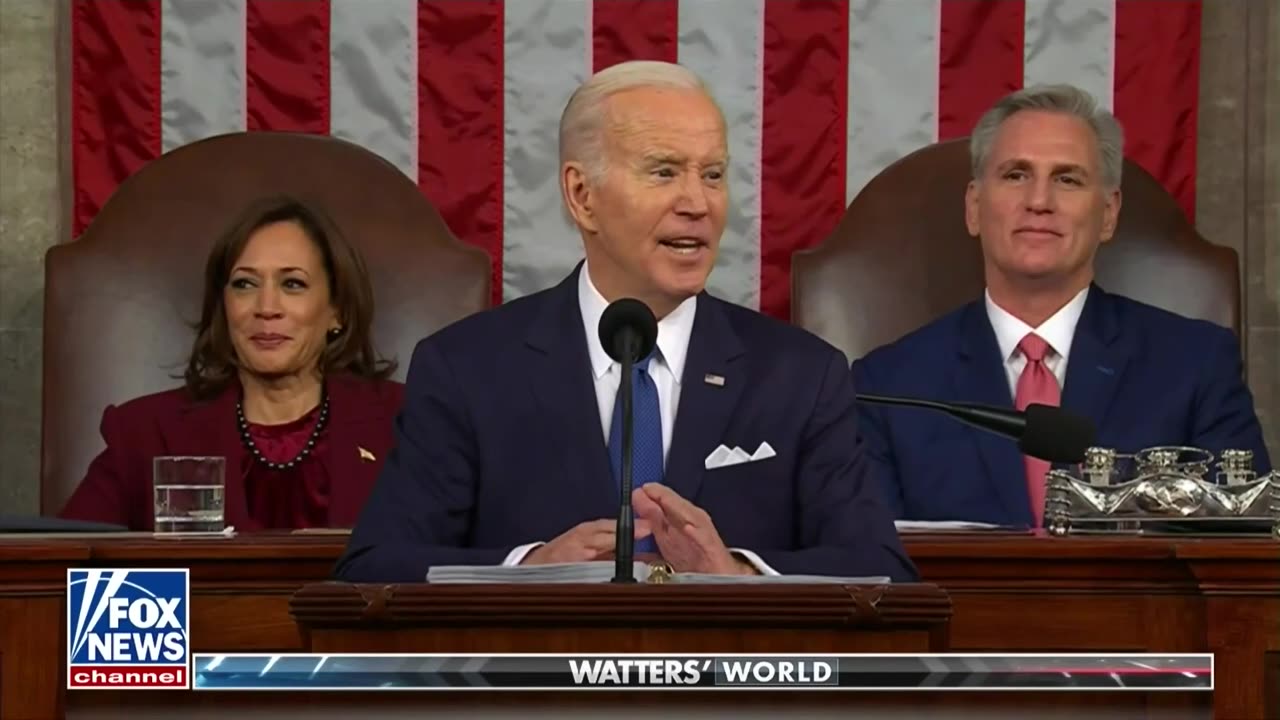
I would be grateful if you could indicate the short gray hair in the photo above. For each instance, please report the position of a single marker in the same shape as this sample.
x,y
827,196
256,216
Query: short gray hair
x,y
1066,99
582,123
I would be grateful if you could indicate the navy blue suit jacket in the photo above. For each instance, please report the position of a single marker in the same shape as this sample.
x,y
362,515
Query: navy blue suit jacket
x,y
1145,376
499,443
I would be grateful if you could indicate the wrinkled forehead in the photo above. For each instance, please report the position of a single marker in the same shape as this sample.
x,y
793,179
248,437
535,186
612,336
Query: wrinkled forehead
x,y
683,121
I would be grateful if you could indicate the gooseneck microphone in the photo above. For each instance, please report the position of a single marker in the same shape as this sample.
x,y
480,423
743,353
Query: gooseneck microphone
x,y
628,332
1046,432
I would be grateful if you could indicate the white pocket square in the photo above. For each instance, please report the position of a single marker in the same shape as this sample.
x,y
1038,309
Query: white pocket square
x,y
724,457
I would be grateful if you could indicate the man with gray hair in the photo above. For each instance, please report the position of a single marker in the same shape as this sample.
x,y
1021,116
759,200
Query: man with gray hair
x,y
1045,193
508,444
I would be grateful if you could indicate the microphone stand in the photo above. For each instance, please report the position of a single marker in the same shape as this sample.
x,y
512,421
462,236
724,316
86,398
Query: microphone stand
x,y
623,570
907,402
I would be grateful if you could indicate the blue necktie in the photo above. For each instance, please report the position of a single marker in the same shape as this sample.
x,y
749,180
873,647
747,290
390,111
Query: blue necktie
x,y
646,434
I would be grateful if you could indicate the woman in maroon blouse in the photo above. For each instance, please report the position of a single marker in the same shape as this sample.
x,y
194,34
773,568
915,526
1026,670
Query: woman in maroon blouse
x,y
282,381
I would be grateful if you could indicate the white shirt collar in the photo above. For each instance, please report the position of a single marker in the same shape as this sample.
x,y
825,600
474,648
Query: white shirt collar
x,y
1058,330
674,330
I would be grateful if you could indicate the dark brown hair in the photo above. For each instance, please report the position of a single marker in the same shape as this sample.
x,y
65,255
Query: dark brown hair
x,y
213,363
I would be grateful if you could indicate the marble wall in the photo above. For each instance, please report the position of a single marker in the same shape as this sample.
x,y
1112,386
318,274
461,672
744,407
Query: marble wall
x,y
1238,201
30,221
1238,176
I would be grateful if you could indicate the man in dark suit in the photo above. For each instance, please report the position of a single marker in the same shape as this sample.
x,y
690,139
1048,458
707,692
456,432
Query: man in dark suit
x,y
507,447
1045,193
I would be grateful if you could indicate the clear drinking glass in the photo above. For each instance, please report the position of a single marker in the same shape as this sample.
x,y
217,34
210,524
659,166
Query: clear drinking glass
x,y
189,494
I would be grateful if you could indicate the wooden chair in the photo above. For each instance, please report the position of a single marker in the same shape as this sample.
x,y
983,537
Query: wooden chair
x,y
902,257
120,300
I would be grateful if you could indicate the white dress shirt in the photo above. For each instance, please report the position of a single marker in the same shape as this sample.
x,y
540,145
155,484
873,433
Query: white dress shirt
x,y
1058,331
666,369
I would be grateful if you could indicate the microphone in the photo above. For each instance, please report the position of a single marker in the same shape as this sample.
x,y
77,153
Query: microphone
x,y
1046,432
628,331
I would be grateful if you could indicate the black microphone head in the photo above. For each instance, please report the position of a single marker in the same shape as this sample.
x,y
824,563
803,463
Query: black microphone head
x,y
628,324
1056,435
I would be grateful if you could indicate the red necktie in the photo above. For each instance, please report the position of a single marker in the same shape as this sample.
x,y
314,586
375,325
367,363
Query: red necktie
x,y
1036,385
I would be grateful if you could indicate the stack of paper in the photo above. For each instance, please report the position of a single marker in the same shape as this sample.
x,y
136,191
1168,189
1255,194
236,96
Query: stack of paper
x,y
586,572
779,579
944,526
602,572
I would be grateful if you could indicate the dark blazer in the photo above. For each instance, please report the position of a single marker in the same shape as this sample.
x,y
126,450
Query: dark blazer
x,y
1145,376
499,444
117,487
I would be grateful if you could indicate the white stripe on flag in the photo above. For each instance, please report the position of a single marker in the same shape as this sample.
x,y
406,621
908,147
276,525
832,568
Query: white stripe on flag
x,y
1071,42
373,78
723,44
546,59
893,84
202,70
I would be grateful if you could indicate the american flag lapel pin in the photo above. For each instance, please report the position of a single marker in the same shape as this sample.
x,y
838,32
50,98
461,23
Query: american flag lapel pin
x,y
713,379
366,455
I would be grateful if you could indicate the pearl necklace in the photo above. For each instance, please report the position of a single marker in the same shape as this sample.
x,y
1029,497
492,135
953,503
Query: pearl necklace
x,y
306,449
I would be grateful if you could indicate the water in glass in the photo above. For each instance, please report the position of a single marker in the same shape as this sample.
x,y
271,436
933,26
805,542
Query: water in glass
x,y
189,494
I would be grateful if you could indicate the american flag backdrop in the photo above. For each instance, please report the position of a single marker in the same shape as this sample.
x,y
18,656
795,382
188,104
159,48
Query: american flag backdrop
x,y
464,97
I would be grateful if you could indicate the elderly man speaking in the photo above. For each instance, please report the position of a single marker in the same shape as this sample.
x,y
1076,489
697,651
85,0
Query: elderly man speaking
x,y
745,459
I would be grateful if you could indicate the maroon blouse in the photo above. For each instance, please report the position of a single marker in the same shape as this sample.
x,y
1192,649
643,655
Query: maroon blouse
x,y
293,498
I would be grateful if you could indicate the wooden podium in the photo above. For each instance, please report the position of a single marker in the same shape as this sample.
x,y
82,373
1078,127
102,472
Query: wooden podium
x,y
672,618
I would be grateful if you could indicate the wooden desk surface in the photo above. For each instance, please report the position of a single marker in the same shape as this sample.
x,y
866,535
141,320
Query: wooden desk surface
x,y
1009,593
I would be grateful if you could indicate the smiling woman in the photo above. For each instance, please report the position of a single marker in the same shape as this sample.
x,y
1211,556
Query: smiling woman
x,y
286,300
282,382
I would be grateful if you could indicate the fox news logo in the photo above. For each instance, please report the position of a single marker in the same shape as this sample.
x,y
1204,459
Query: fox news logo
x,y
128,629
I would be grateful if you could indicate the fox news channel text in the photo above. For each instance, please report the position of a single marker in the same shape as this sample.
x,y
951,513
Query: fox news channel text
x,y
253,671
128,628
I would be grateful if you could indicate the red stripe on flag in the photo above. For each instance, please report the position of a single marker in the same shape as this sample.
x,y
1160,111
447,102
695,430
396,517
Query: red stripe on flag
x,y
1157,88
460,141
115,98
802,155
980,60
287,65
633,30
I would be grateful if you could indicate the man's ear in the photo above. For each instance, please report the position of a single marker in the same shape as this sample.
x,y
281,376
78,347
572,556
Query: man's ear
x,y
1110,214
971,209
578,196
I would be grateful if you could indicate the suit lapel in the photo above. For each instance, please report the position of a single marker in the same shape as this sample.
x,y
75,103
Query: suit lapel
x,y
353,441
561,381
705,407
980,377
209,428
1099,354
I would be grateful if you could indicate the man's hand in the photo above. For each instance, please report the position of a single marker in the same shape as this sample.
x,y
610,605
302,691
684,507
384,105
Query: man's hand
x,y
593,540
684,532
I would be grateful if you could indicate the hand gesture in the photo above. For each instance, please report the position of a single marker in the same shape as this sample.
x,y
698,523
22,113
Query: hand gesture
x,y
592,540
685,535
